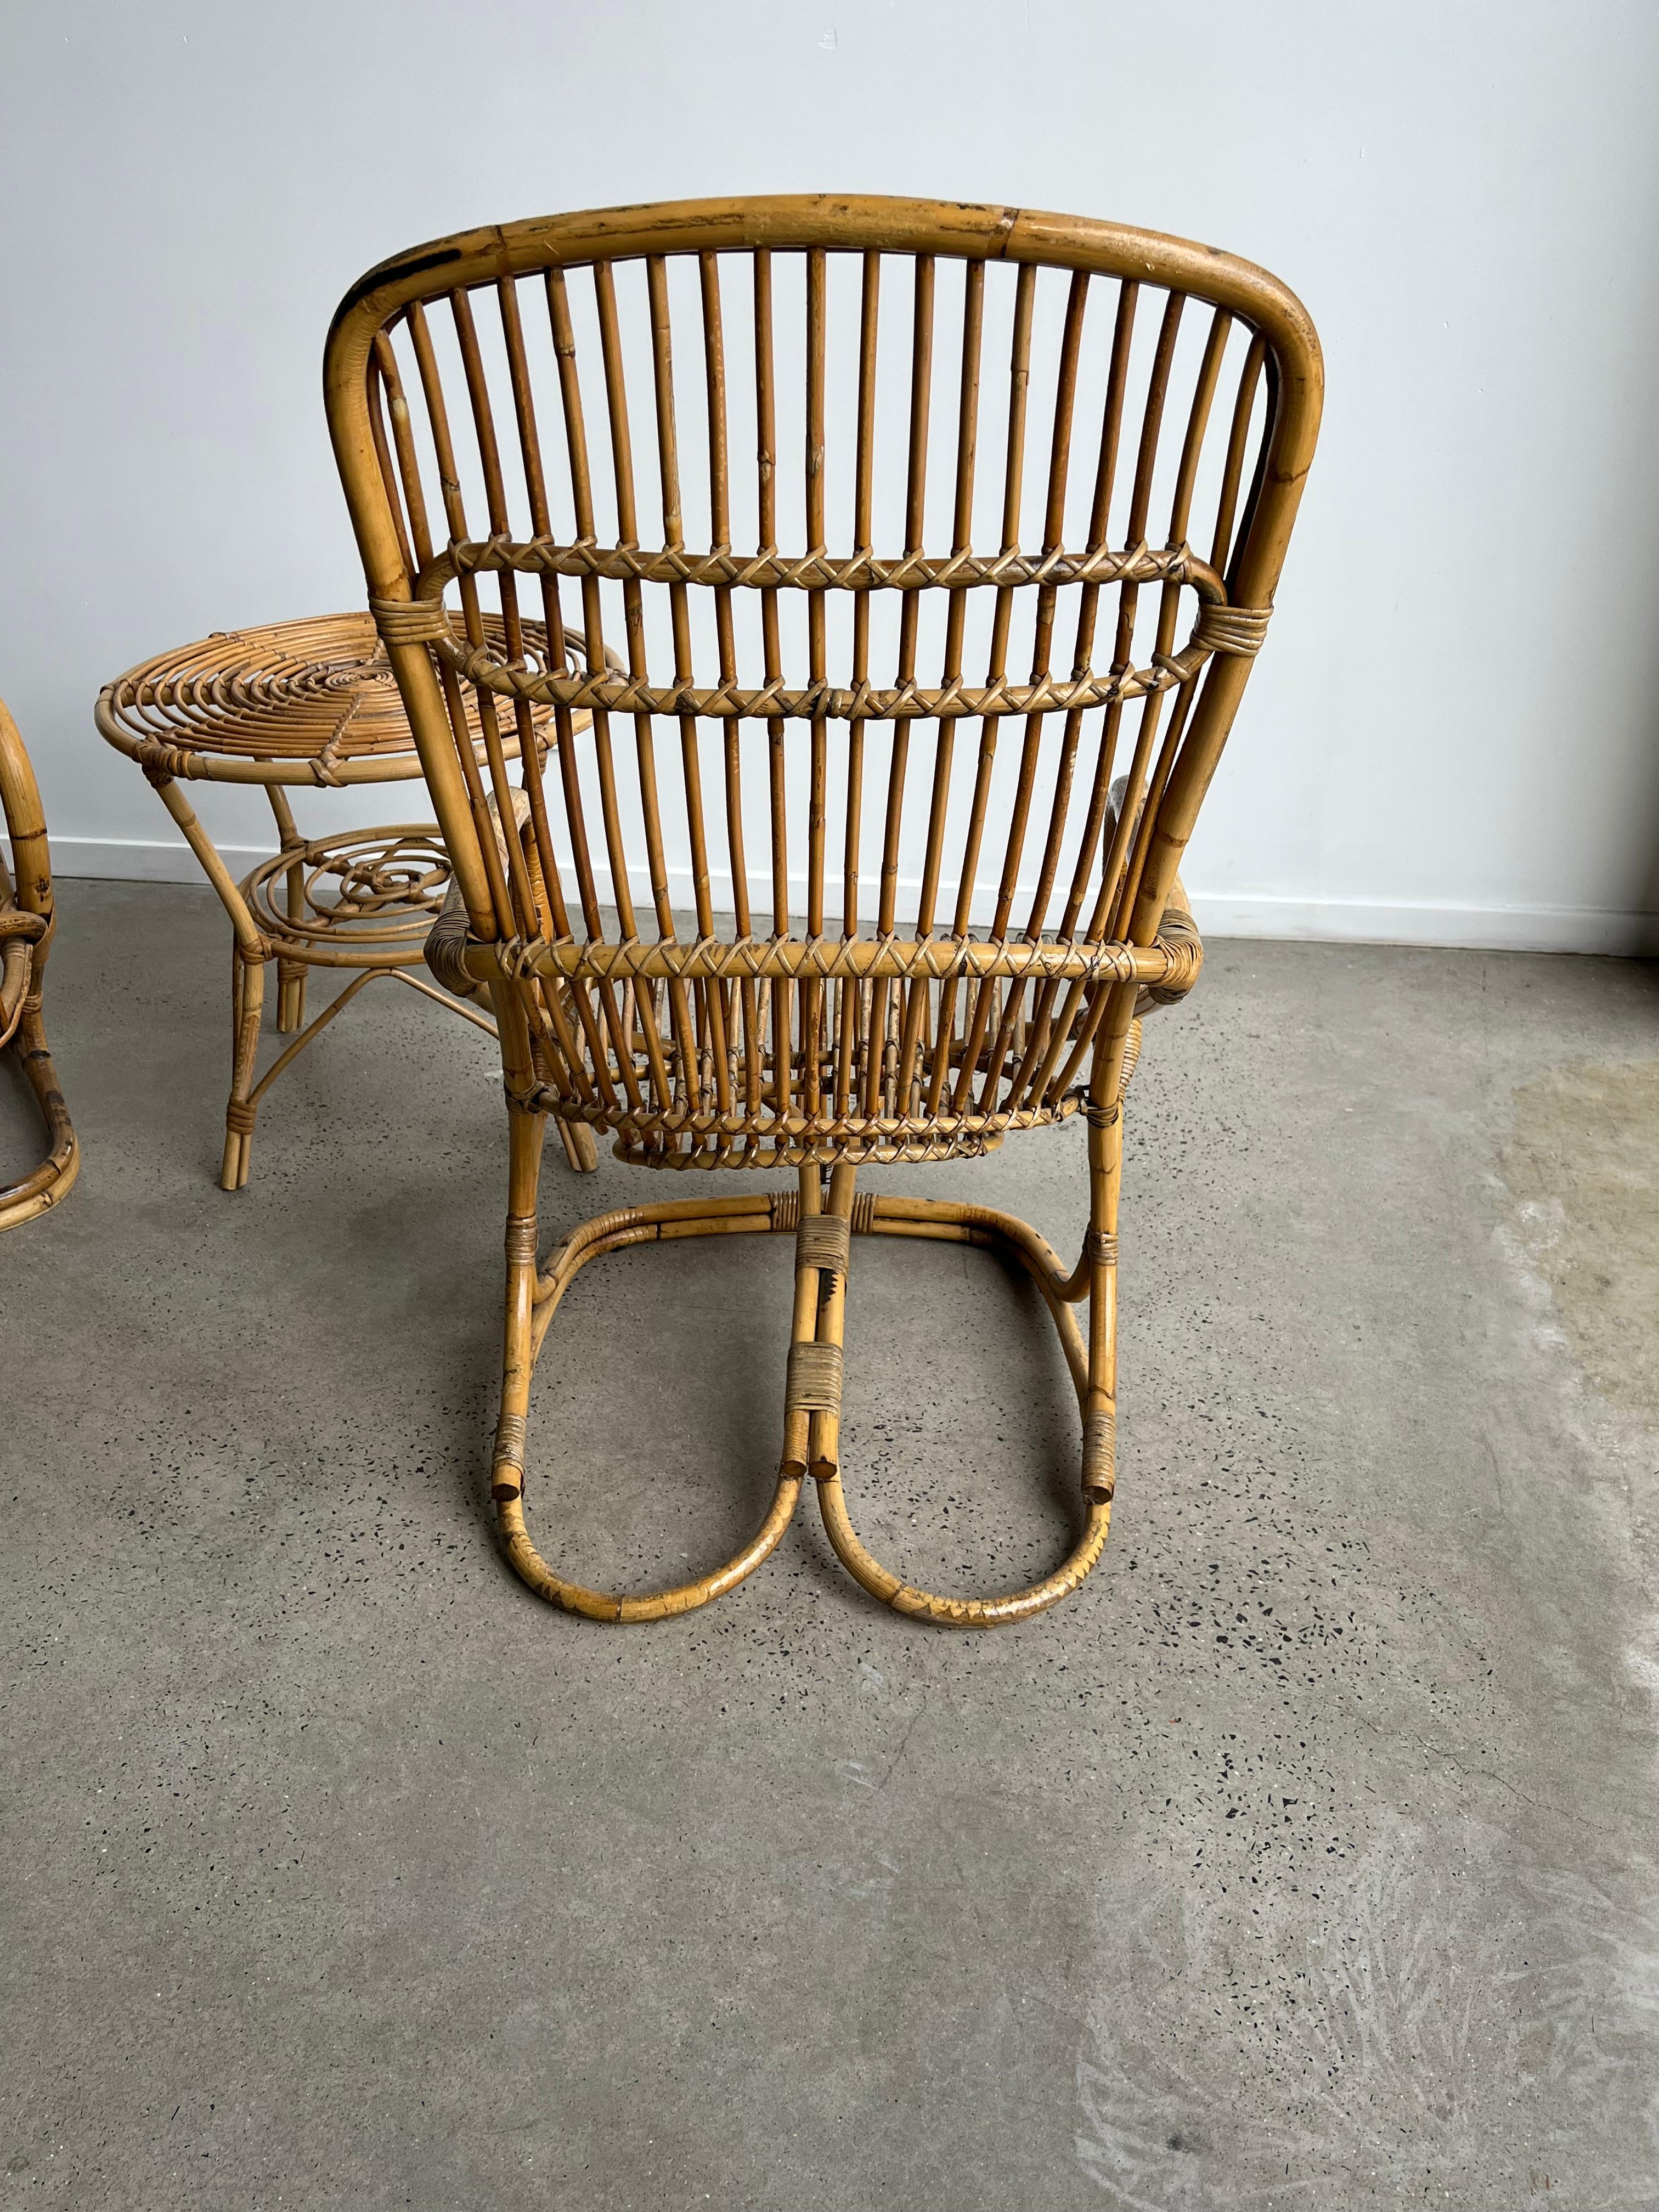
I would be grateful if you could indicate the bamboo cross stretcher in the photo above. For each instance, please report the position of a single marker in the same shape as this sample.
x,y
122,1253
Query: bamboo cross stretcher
x,y
657,928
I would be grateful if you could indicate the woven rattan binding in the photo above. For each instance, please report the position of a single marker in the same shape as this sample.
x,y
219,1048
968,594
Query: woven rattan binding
x,y
814,1383
823,1240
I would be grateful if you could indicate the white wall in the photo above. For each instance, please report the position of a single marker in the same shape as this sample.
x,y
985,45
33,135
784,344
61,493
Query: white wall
x,y
1451,738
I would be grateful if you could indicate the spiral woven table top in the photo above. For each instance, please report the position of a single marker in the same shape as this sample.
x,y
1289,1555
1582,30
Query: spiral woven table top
x,y
319,689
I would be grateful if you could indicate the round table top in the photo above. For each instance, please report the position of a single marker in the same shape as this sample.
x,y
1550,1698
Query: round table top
x,y
319,691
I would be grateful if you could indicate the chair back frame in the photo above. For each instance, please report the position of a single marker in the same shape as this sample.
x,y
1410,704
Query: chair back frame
x,y
720,1043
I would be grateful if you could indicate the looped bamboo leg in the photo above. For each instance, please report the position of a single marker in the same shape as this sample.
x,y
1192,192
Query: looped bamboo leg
x,y
54,1176
531,1301
957,1611
1093,1375
823,1218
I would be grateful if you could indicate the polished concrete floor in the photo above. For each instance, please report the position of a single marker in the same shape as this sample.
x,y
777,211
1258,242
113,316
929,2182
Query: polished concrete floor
x,y
1307,1857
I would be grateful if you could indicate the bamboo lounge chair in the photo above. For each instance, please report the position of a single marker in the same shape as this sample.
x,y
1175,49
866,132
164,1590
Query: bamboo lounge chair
x,y
889,897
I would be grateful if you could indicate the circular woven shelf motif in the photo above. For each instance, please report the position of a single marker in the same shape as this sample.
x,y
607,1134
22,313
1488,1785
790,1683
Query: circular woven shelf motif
x,y
378,890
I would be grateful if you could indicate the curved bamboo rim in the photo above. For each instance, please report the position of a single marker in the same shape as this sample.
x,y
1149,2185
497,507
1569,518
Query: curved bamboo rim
x,y
781,221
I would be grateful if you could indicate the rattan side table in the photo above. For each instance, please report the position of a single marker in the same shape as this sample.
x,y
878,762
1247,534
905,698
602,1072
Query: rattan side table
x,y
312,704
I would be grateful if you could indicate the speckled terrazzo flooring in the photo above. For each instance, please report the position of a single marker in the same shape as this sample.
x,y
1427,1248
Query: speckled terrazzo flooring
x,y
1306,1857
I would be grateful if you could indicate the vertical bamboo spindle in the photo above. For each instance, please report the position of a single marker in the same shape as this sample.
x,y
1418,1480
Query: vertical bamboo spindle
x,y
593,653
1052,530
1051,1044
691,766
811,993
915,498
1019,372
766,463
962,533
721,526
864,465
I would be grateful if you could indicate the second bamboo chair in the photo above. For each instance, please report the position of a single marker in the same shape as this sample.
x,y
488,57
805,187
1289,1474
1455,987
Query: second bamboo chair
x,y
28,921
837,920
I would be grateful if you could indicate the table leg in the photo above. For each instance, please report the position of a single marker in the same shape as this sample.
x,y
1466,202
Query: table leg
x,y
290,974
247,983
247,1003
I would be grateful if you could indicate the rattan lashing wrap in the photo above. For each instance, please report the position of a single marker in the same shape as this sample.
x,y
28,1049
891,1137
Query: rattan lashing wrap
x,y
823,1240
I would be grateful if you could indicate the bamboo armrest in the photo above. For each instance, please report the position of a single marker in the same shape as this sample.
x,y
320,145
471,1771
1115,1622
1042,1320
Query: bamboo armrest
x,y
1178,929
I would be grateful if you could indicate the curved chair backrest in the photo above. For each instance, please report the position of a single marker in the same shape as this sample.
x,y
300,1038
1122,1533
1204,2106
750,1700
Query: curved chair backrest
x,y
968,425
